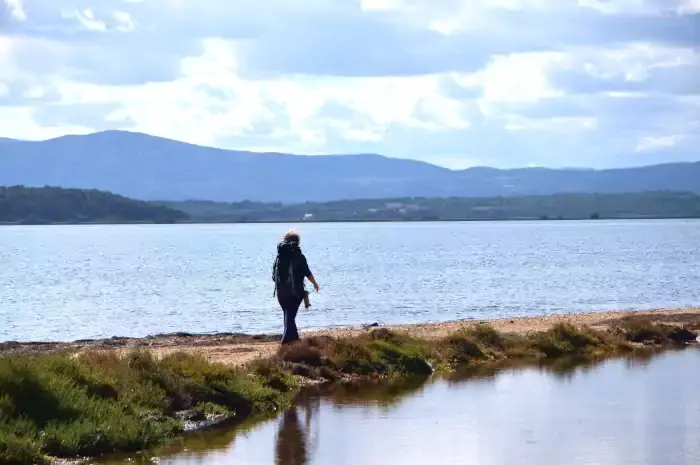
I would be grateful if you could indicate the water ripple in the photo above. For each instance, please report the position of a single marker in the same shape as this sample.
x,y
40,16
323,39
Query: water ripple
x,y
76,282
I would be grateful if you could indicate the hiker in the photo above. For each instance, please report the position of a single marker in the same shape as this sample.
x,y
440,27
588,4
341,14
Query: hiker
x,y
288,273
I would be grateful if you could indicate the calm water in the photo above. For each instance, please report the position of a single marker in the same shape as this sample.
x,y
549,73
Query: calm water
x,y
70,282
622,412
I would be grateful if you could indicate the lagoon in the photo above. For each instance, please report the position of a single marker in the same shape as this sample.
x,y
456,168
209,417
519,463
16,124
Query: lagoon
x,y
74,282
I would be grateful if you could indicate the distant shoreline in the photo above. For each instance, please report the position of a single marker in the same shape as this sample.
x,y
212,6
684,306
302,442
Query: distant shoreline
x,y
21,205
398,220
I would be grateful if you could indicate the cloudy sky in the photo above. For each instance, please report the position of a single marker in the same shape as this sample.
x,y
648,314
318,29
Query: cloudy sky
x,y
504,83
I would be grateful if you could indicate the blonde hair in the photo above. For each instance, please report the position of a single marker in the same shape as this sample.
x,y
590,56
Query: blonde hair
x,y
291,236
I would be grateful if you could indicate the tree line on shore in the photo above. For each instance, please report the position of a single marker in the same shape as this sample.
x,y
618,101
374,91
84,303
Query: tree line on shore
x,y
51,205
655,204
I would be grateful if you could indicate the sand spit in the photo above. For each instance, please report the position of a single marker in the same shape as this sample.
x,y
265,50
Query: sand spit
x,y
237,349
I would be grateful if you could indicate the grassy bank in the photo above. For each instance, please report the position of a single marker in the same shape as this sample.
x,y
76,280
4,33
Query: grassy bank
x,y
383,352
66,406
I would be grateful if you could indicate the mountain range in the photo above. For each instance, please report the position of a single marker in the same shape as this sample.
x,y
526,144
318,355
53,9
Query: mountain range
x,y
154,168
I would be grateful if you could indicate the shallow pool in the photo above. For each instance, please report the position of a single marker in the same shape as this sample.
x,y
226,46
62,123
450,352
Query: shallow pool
x,y
641,411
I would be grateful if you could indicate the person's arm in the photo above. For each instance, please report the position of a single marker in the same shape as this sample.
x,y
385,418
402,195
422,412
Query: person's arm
x,y
307,272
311,278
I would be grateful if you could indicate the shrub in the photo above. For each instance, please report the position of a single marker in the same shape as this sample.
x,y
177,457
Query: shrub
x,y
566,339
642,329
461,347
97,403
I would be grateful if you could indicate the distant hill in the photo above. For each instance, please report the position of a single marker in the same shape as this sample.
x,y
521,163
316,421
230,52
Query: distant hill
x,y
661,204
152,168
47,205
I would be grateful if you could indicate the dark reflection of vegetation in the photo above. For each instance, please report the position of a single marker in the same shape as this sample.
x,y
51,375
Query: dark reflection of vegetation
x,y
642,358
565,368
378,393
484,371
568,368
197,445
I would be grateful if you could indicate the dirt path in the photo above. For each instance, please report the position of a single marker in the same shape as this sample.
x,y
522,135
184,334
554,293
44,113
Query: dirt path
x,y
236,349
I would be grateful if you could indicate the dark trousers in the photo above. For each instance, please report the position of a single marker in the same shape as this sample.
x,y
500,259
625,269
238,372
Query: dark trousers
x,y
289,302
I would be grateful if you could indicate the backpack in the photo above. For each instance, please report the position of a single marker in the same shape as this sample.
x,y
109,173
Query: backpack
x,y
285,265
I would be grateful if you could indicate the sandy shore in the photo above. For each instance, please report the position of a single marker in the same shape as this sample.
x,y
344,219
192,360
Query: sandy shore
x,y
236,349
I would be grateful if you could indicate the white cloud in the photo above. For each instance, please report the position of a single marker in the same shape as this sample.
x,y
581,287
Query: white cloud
x,y
87,19
653,143
455,82
125,23
17,10
689,7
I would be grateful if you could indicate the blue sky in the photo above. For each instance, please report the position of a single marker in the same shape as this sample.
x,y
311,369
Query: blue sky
x,y
504,83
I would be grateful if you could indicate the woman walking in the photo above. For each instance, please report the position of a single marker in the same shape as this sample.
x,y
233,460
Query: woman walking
x,y
288,273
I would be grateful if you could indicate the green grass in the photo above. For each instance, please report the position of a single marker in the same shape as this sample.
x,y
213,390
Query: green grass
x,y
96,403
383,352
379,352
640,329
565,339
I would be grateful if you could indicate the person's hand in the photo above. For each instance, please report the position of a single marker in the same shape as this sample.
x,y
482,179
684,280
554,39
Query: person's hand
x,y
315,287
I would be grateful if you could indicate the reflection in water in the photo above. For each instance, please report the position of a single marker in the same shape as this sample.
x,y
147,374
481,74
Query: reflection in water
x,y
293,439
565,368
631,411
295,442
380,394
